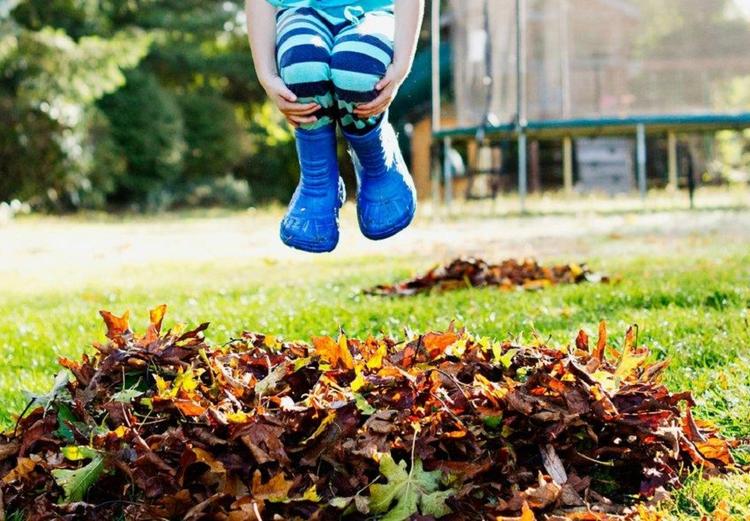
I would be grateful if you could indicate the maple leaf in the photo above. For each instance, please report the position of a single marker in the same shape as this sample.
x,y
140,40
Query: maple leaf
x,y
156,318
276,490
437,343
116,326
416,491
334,352
46,400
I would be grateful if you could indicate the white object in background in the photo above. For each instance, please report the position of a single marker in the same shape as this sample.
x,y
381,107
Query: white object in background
x,y
5,213
477,46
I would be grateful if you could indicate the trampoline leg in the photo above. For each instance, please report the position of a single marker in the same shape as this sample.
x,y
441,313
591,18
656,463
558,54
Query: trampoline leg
x,y
641,157
568,165
436,177
672,161
448,173
523,183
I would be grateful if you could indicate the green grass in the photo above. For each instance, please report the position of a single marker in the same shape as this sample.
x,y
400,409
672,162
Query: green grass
x,y
694,310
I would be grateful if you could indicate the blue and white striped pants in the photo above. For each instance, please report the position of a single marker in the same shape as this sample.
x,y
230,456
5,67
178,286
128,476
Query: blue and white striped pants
x,y
334,61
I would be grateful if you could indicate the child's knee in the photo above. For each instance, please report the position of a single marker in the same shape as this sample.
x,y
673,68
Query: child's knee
x,y
306,79
355,76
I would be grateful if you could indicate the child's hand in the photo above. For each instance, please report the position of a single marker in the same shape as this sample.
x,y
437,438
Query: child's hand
x,y
388,88
295,113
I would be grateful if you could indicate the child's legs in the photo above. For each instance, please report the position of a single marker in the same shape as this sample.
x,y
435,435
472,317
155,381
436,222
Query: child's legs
x,y
303,52
361,54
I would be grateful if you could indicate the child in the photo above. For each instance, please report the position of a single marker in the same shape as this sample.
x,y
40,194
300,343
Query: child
x,y
329,62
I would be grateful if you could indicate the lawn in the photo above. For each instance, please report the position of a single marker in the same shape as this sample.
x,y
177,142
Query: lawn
x,y
693,309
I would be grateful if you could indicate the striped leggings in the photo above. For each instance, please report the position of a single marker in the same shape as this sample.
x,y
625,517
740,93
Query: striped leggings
x,y
335,62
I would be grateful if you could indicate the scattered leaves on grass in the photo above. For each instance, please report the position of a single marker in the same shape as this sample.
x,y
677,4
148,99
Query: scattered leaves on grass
x,y
509,275
437,426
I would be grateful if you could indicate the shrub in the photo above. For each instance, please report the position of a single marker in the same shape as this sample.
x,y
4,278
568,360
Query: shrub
x,y
212,135
148,127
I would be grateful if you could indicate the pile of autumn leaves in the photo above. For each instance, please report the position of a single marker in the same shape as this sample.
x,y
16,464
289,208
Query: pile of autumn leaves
x,y
439,426
508,275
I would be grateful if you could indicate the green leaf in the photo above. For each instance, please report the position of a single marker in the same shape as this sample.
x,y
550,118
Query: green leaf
x,y
363,405
76,483
65,415
505,359
493,422
45,400
434,504
407,493
126,395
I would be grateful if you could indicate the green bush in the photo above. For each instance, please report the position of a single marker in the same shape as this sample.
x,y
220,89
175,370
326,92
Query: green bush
x,y
31,159
148,127
212,135
271,169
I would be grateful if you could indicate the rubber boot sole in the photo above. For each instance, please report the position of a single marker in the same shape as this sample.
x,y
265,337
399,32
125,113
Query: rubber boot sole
x,y
393,230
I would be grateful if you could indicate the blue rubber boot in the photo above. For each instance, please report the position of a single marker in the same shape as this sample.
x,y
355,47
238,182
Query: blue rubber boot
x,y
387,199
312,222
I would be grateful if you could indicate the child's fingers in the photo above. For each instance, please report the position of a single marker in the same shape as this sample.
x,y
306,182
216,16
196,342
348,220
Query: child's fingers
x,y
287,94
302,120
299,109
367,107
375,110
383,83
374,107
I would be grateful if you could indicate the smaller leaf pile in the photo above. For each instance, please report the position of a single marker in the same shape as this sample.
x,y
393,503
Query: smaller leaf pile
x,y
509,275
438,426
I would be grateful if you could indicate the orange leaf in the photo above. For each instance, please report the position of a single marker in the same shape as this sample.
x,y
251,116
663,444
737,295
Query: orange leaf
x,y
582,341
601,343
116,326
154,328
22,470
715,449
277,489
203,456
189,407
327,349
437,343
331,351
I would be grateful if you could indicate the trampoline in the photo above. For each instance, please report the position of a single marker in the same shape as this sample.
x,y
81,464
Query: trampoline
x,y
579,73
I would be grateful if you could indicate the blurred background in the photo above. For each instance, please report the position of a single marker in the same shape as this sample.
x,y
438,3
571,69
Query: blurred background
x,y
152,105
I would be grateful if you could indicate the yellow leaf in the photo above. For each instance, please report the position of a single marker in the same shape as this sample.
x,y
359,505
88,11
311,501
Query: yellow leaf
x,y
162,386
527,514
632,358
187,380
345,354
325,423
237,417
376,362
311,494
359,382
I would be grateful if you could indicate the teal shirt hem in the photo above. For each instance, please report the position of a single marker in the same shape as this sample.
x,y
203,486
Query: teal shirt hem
x,y
336,7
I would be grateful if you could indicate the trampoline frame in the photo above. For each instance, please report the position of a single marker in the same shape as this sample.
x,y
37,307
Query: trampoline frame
x,y
521,130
